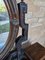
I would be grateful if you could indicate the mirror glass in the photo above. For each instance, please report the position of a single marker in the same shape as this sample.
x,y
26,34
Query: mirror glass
x,y
4,24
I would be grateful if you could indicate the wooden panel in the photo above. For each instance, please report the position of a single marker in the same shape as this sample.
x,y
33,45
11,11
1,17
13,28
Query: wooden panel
x,y
35,51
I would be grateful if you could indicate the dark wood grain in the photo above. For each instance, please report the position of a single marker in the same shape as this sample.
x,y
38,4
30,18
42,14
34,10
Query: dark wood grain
x,y
35,51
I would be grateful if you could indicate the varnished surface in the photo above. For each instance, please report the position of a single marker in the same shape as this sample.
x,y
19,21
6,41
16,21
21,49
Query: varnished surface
x,y
35,51
12,9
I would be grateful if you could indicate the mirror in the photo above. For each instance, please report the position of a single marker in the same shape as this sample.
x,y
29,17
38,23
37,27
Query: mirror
x,y
4,24
8,30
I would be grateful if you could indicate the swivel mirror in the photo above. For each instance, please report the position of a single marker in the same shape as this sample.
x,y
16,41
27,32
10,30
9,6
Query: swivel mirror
x,y
31,12
9,23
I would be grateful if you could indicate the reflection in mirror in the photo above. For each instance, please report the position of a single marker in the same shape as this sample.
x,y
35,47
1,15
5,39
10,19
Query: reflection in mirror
x,y
4,24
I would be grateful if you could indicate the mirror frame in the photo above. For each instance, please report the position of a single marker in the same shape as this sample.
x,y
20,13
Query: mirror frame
x,y
12,9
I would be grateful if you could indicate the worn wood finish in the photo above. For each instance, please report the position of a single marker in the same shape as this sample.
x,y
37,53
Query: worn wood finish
x,y
35,52
12,9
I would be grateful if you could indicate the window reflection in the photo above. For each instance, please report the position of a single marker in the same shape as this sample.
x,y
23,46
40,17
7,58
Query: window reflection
x,y
4,24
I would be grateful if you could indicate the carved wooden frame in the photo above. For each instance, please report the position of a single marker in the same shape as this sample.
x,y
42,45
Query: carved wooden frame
x,y
12,9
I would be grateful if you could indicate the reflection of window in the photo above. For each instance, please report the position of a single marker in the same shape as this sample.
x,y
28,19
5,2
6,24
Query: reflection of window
x,y
2,6
4,19
4,24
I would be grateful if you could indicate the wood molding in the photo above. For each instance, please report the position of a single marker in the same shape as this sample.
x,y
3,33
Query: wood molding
x,y
12,9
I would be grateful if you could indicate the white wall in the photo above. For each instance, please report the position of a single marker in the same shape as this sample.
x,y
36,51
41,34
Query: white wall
x,y
36,20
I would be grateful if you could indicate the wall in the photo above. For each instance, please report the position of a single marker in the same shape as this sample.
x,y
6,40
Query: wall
x,y
36,20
